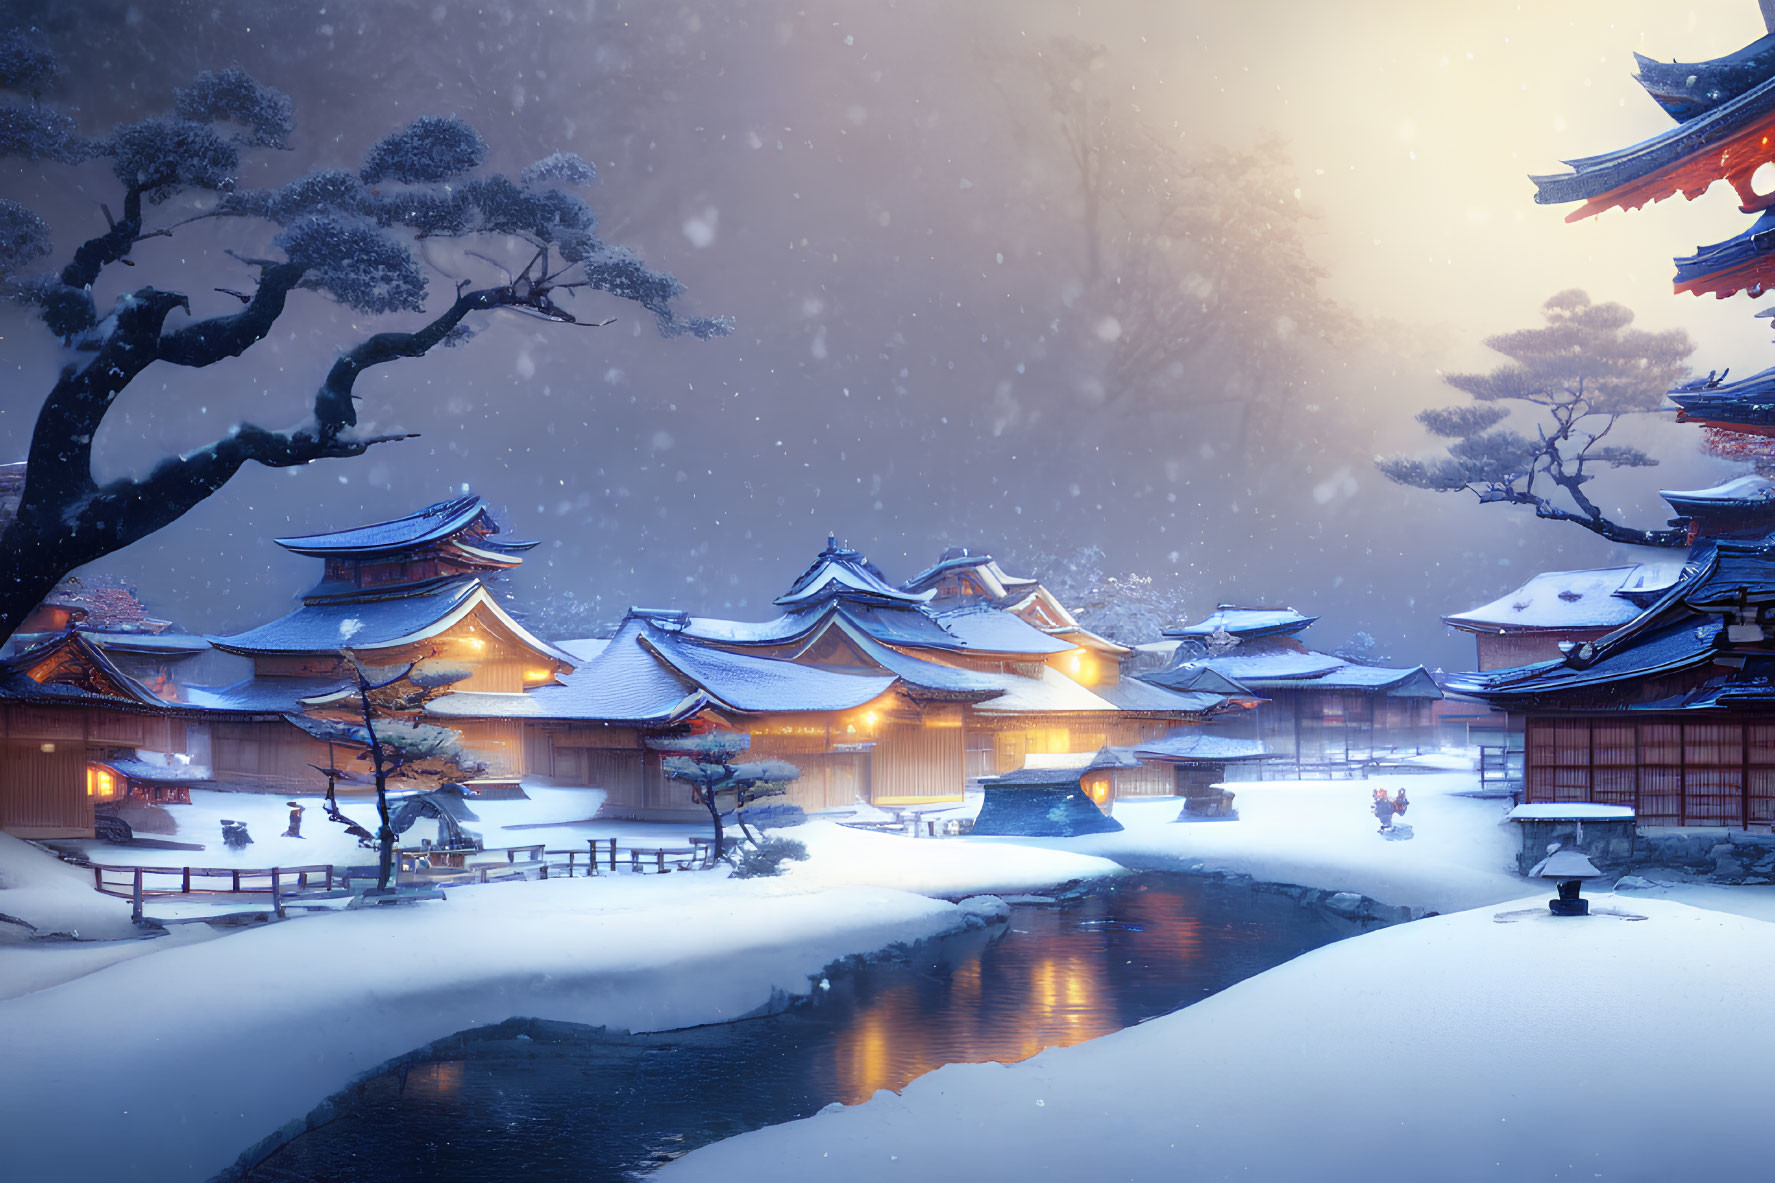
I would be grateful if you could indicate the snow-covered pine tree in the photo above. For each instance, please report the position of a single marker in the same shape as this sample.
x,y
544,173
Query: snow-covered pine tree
x,y
708,763
344,234
1582,371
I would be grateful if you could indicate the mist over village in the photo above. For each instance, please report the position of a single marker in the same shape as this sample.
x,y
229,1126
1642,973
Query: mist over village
x,y
1002,590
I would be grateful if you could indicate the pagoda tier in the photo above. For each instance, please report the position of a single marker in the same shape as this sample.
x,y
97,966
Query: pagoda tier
x,y
1746,406
1689,89
1739,508
441,541
1743,263
1729,142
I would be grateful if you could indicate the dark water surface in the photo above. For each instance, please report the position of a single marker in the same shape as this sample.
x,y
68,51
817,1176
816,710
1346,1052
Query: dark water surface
x,y
549,1101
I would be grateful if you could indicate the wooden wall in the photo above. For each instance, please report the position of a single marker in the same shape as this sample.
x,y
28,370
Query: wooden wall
x,y
1506,651
914,763
43,793
272,750
1674,771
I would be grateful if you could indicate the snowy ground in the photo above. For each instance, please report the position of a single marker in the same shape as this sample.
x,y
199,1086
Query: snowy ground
x,y
321,999
267,816
226,1040
1456,1048
1321,834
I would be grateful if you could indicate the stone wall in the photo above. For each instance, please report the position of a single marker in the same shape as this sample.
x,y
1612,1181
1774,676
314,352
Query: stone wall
x,y
1722,856
1619,848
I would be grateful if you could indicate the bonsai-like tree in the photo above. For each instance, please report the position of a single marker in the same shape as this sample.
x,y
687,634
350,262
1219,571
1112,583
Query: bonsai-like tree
x,y
398,746
1583,371
706,762
345,234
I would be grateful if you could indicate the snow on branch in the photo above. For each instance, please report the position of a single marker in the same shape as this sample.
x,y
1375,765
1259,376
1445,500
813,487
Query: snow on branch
x,y
161,156
24,238
431,148
356,262
233,96
559,168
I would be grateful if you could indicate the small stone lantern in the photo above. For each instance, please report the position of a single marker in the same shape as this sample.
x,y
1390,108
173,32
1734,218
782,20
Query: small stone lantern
x,y
1568,869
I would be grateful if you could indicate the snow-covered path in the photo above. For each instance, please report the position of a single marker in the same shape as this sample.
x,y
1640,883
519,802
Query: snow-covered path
x,y
1456,1048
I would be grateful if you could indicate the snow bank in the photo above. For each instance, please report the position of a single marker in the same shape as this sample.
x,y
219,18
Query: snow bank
x,y
1321,834
1457,1048
54,897
950,867
228,1040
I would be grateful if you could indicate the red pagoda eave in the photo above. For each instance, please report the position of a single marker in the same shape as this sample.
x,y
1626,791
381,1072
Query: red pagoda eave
x,y
1753,276
1733,161
1762,429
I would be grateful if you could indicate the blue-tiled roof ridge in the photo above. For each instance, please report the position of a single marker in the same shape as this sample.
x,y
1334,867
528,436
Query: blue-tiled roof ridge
x,y
431,524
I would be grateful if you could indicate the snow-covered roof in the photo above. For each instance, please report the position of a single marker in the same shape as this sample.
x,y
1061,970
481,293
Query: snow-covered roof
x,y
995,582
282,696
1252,668
1197,677
1565,864
625,683
917,673
1679,645
1570,600
984,629
1245,622
431,524
1570,811
330,625
1053,691
583,648
1132,694
1407,682
1077,762
765,684
837,571
1189,746
173,644
154,773
1752,488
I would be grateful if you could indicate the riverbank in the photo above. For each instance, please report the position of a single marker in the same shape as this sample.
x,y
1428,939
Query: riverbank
x,y
1499,1043
166,1066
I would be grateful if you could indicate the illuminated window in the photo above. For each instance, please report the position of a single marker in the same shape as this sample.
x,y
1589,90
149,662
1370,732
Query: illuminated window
x,y
101,782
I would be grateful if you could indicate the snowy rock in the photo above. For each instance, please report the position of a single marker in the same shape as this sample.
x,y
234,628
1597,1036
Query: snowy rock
x,y
1345,903
985,909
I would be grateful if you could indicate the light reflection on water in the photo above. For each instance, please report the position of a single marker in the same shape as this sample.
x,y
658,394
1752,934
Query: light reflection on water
x,y
561,1102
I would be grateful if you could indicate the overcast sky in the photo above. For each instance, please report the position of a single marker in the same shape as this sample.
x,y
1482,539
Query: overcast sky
x,y
828,174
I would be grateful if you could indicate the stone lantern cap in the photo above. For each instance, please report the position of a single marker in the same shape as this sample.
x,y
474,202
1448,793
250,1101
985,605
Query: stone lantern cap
x,y
1565,865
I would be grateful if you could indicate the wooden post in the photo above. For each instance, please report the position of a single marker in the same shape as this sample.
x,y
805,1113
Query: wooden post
x,y
135,898
185,881
277,899
613,854
236,880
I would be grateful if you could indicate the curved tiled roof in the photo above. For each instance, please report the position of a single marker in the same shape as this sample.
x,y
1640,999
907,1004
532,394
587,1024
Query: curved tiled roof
x,y
431,524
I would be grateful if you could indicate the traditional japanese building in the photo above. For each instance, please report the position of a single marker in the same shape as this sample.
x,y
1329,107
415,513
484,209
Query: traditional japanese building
x,y
1558,608
1673,713
875,691
891,694
1317,711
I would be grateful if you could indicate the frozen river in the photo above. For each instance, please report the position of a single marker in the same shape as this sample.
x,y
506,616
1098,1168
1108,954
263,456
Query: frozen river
x,y
546,1101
